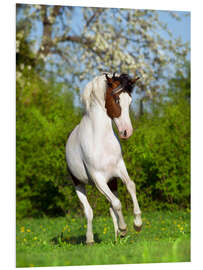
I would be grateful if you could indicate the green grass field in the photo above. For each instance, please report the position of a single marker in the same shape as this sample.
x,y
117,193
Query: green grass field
x,y
165,237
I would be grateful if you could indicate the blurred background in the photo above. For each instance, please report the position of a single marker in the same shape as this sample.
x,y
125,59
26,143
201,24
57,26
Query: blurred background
x,y
58,50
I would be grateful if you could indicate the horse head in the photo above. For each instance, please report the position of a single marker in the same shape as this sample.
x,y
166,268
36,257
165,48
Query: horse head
x,y
117,101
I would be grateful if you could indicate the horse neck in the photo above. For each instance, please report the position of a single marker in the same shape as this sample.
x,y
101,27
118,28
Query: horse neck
x,y
100,121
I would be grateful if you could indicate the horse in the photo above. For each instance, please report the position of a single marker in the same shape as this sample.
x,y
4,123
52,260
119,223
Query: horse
x,y
93,151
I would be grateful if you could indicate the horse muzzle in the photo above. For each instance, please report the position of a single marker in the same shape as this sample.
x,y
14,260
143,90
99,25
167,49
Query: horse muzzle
x,y
126,133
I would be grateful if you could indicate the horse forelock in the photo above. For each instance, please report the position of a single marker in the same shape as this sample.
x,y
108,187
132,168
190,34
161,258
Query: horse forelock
x,y
126,83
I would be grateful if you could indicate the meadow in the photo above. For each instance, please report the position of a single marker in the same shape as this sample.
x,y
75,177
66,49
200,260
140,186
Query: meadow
x,y
165,237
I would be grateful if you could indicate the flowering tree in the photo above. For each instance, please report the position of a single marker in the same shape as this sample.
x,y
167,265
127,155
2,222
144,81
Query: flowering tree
x,y
78,43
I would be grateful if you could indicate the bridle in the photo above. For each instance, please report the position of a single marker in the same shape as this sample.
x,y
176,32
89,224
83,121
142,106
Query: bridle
x,y
122,83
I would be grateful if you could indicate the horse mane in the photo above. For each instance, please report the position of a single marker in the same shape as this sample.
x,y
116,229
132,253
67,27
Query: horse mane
x,y
95,90
85,97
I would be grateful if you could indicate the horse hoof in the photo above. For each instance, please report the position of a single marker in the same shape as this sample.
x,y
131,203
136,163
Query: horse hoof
x,y
123,232
138,228
90,243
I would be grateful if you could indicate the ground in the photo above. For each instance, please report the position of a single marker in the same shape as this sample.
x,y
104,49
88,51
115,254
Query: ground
x,y
165,237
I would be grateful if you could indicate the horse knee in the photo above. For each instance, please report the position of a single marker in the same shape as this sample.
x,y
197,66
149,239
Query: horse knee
x,y
116,204
131,185
89,213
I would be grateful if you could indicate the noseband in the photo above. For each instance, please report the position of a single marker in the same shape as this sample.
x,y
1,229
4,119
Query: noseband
x,y
116,90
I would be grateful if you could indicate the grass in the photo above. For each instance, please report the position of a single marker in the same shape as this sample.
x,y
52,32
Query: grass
x,y
165,237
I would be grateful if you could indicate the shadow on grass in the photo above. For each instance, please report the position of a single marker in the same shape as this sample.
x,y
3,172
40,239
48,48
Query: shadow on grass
x,y
74,240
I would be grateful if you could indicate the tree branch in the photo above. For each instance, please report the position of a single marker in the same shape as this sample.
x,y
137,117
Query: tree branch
x,y
47,28
96,15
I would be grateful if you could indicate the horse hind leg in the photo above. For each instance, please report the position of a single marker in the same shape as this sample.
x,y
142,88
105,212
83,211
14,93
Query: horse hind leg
x,y
114,188
81,192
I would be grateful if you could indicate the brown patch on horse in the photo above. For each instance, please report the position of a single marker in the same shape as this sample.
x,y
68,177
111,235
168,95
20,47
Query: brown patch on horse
x,y
112,101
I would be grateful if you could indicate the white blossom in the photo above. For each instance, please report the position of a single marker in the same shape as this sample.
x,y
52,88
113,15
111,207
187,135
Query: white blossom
x,y
22,66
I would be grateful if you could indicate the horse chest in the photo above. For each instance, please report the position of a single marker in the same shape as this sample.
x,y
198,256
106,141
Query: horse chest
x,y
103,155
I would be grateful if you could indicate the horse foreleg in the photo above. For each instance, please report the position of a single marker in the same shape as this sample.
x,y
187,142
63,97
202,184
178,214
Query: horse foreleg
x,y
114,188
132,190
81,192
102,186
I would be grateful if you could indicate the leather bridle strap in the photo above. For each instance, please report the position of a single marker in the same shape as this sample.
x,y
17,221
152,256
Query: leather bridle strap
x,y
117,89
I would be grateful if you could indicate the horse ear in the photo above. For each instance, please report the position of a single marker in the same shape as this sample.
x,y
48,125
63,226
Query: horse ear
x,y
109,80
134,80
107,77
114,75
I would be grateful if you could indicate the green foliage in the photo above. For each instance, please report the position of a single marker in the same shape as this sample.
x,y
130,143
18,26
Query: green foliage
x,y
158,154
158,159
41,134
44,117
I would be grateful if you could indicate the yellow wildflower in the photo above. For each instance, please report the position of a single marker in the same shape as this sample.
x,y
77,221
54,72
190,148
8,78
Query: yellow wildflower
x,y
28,230
35,238
105,229
22,229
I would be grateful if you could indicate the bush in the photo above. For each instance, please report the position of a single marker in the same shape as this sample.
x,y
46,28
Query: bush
x,y
158,158
43,122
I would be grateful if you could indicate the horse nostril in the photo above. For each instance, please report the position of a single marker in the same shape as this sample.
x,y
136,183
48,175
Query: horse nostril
x,y
125,133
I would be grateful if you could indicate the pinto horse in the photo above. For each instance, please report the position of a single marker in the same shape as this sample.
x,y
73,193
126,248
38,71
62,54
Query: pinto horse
x,y
93,151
